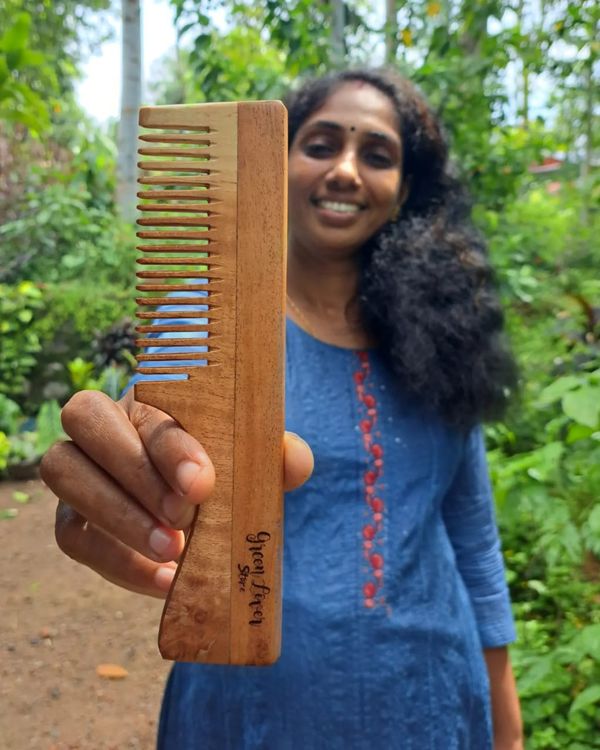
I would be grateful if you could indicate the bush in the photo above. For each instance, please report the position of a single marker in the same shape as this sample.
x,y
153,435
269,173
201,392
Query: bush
x,y
23,441
545,462
19,343
60,236
43,327
79,322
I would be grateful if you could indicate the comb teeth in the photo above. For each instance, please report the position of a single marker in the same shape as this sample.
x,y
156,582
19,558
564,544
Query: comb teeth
x,y
183,210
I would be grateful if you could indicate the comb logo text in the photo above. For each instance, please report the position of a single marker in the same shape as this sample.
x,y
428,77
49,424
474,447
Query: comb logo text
x,y
255,572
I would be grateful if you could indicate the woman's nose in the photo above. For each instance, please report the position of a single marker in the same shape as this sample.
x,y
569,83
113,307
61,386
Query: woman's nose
x,y
344,172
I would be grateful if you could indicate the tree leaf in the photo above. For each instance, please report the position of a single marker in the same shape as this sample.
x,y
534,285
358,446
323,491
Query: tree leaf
x,y
558,389
586,698
583,405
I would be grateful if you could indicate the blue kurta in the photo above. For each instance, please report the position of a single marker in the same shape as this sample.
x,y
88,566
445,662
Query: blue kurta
x,y
393,582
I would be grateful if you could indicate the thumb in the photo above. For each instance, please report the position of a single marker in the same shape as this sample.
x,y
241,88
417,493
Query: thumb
x,y
298,462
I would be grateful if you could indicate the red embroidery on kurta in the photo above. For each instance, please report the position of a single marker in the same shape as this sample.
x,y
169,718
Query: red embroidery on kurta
x,y
372,532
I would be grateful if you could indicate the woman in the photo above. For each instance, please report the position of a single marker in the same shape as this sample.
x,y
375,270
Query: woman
x,y
394,598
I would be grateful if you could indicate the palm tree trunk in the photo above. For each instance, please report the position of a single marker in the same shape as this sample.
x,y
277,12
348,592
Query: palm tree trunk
x,y
131,96
338,22
391,31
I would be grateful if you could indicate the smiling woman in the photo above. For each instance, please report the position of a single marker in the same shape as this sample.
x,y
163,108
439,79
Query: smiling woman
x,y
394,593
345,172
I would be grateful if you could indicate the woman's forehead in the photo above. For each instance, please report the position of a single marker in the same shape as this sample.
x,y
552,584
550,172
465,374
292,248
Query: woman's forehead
x,y
357,106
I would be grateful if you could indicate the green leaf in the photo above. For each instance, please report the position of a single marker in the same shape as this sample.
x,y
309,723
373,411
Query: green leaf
x,y
578,432
557,389
7,514
583,405
586,698
15,37
21,497
49,427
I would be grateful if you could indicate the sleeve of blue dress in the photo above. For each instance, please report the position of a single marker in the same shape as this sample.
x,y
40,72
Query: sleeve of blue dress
x,y
468,511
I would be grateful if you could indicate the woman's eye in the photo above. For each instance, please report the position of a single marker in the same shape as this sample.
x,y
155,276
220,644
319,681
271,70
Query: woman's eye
x,y
318,150
379,159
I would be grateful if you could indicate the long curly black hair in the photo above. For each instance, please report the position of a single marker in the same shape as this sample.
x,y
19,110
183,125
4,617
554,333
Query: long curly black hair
x,y
426,290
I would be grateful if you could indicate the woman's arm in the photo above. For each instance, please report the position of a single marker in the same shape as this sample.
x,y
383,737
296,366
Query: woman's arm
x,y
506,711
470,521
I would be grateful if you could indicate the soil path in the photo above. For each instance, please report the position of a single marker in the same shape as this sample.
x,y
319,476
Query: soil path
x,y
60,621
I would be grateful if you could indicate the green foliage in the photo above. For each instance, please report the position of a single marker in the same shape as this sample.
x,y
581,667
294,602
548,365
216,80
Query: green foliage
x,y
43,327
20,103
63,32
111,380
48,426
23,440
19,344
235,65
4,450
10,414
60,236
545,462
78,321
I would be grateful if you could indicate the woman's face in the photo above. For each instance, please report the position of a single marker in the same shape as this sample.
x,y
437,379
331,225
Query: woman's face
x,y
345,171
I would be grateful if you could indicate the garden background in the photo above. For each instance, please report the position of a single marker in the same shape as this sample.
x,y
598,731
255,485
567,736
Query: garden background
x,y
516,84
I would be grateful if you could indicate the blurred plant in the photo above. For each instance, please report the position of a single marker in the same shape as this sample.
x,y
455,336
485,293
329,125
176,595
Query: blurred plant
x,y
19,344
25,440
545,460
4,451
60,236
19,103
63,32
111,380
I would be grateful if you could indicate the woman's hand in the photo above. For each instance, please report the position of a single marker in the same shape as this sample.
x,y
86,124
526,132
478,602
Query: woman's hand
x,y
506,710
128,482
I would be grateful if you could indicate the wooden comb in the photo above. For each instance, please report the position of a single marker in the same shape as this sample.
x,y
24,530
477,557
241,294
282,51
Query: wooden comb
x,y
214,223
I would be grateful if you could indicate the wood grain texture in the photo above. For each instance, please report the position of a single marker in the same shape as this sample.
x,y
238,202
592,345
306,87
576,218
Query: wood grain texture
x,y
225,602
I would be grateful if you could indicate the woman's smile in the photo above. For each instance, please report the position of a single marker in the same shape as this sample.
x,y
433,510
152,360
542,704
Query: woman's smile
x,y
345,172
337,213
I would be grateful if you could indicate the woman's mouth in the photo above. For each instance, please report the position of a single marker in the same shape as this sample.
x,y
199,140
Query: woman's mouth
x,y
340,207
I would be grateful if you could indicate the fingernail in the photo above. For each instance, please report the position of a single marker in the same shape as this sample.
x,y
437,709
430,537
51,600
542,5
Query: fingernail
x,y
176,510
186,474
160,541
164,578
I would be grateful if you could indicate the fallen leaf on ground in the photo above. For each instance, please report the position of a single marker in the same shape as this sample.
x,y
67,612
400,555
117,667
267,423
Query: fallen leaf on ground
x,y
21,497
111,671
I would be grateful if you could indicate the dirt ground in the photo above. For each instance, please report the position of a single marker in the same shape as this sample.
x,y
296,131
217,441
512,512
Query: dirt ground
x,y
60,621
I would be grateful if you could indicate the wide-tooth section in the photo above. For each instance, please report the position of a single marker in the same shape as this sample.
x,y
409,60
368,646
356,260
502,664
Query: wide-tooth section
x,y
179,228
187,238
175,138
198,208
207,193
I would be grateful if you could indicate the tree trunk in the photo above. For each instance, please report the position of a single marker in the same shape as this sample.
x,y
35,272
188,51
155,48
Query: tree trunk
x,y
131,97
525,71
338,22
391,31
588,134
